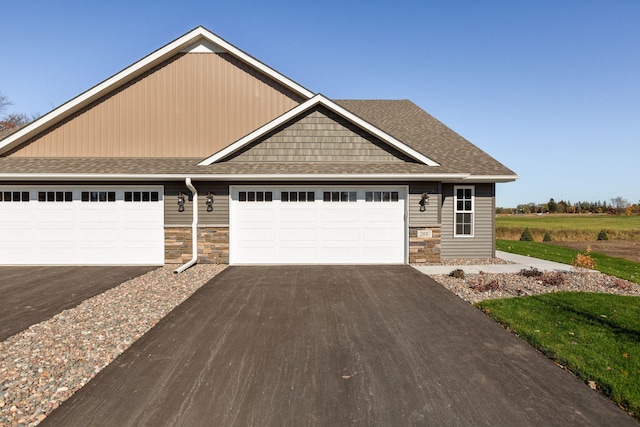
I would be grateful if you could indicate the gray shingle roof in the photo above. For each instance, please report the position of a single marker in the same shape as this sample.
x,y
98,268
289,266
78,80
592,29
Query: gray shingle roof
x,y
407,122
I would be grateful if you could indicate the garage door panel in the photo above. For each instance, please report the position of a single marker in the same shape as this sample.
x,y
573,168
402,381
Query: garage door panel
x,y
329,229
78,231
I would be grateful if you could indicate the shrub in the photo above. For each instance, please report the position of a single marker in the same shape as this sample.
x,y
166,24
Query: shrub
x,y
482,286
526,235
547,237
553,279
585,260
532,272
457,273
603,235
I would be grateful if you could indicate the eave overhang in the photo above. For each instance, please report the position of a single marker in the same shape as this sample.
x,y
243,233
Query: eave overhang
x,y
446,177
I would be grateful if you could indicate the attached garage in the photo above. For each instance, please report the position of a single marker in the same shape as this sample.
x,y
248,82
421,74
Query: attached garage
x,y
317,225
77,225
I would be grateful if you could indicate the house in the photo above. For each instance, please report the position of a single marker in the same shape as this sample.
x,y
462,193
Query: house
x,y
200,136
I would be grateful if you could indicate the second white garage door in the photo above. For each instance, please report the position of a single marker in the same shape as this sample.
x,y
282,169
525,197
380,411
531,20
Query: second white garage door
x,y
317,225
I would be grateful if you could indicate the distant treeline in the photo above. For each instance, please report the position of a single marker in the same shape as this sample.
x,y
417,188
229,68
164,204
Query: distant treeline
x,y
616,206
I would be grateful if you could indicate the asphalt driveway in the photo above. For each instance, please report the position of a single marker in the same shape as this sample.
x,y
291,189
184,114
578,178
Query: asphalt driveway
x,y
331,346
30,295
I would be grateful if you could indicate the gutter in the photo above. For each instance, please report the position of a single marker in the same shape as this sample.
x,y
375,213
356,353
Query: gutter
x,y
194,229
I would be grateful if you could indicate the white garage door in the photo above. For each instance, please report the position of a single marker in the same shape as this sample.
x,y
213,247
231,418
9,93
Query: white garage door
x,y
81,225
299,225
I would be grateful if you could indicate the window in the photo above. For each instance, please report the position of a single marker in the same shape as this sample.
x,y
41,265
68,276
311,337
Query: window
x,y
98,196
55,196
297,196
340,196
381,196
255,196
14,196
464,211
139,196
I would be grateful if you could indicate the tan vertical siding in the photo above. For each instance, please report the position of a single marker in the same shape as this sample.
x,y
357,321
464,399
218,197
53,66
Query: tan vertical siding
x,y
431,216
190,106
482,245
219,216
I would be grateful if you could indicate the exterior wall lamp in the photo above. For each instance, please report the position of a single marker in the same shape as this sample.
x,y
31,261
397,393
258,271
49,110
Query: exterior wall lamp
x,y
209,201
424,201
181,197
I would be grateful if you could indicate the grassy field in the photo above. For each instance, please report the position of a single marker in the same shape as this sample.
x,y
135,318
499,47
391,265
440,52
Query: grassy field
x,y
596,336
576,227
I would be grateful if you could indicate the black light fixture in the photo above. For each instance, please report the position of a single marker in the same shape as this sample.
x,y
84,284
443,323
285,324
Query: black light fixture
x,y
181,197
209,202
424,201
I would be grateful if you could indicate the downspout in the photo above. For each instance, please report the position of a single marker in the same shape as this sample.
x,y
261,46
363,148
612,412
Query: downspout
x,y
194,229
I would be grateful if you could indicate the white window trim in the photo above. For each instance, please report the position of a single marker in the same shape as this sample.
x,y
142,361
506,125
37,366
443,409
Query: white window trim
x,y
472,211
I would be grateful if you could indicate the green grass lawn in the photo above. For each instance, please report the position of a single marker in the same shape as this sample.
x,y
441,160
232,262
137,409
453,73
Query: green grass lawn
x,y
596,336
618,267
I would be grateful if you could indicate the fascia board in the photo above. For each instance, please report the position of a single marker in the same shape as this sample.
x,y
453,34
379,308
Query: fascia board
x,y
230,177
318,99
492,178
137,69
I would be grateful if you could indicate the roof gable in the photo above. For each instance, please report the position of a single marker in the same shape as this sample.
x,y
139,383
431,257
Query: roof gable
x,y
319,135
196,41
303,109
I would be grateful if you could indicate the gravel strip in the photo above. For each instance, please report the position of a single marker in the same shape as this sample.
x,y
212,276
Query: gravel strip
x,y
478,287
44,365
468,261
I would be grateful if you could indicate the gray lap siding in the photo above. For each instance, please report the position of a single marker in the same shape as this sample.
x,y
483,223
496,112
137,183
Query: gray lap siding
x,y
482,244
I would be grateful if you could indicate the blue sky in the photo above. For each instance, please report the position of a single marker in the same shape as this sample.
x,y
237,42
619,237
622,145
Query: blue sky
x,y
549,88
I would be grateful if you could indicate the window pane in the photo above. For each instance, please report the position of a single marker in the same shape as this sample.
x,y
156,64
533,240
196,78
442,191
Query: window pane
x,y
59,196
145,196
335,196
260,196
128,196
458,228
137,196
42,196
268,196
386,196
394,196
284,196
68,196
251,196
467,193
326,196
302,196
459,205
377,196
85,196
154,196
467,205
467,229
293,196
242,196
50,196
25,196
459,193
368,196
353,196
102,196
311,196
111,196
7,196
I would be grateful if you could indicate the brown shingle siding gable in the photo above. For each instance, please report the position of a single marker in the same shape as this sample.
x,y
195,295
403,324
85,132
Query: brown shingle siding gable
x,y
415,127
